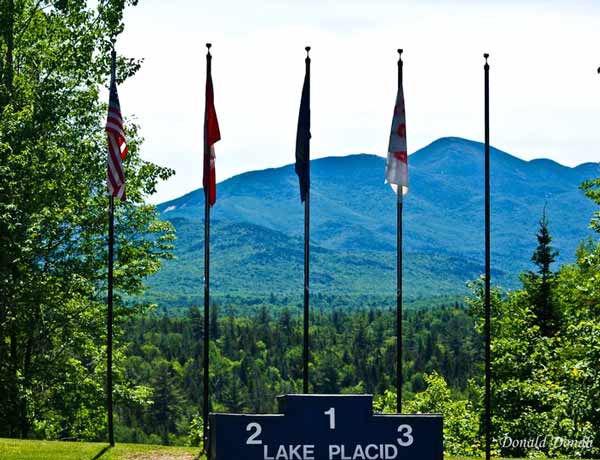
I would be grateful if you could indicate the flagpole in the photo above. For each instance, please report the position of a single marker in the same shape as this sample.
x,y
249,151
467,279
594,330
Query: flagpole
x,y
306,248
488,363
109,321
399,276
205,399
109,315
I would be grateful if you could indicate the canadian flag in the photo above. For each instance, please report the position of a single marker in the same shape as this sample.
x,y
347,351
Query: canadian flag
x,y
396,170
212,135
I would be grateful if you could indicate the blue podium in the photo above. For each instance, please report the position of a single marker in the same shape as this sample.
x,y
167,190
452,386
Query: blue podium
x,y
325,427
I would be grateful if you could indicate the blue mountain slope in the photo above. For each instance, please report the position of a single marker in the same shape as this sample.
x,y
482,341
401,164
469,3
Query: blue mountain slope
x,y
353,214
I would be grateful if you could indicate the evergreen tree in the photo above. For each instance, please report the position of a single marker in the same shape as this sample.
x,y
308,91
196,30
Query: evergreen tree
x,y
540,283
214,322
167,401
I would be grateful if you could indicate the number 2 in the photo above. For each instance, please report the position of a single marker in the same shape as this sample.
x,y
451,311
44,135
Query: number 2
x,y
331,413
406,431
258,430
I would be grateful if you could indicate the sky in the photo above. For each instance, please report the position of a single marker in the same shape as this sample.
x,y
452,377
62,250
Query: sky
x,y
545,91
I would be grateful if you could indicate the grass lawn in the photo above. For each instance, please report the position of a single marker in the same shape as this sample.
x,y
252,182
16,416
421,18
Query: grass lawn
x,y
15,449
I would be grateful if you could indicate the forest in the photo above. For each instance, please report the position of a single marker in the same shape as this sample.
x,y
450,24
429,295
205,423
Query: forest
x,y
546,361
53,225
256,358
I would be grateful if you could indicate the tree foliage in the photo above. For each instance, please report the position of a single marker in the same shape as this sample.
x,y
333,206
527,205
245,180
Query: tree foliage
x,y
539,285
54,62
257,357
545,366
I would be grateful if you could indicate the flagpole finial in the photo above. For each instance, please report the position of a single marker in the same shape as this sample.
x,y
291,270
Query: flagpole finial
x,y
400,51
486,56
208,46
307,51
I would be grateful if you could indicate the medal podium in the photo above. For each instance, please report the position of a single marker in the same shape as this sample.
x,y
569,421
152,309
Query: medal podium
x,y
325,427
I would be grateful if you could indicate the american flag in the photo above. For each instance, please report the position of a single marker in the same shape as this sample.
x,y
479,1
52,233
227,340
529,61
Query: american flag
x,y
396,172
117,147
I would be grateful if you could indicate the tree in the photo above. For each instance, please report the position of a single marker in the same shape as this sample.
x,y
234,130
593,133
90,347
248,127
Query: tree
x,y
54,57
545,368
461,424
167,407
214,333
540,284
328,374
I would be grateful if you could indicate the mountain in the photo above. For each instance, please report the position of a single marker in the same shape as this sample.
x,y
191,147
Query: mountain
x,y
258,226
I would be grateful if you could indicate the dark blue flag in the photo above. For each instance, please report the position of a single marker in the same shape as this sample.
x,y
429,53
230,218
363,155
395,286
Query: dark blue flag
x,y
303,139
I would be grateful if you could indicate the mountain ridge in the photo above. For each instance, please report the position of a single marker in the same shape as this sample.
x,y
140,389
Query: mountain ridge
x,y
198,194
353,216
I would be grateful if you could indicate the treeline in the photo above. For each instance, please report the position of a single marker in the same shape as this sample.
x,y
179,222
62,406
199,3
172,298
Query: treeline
x,y
248,303
256,358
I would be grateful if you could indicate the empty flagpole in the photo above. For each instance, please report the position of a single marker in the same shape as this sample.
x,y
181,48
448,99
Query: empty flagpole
x,y
205,400
488,376
399,276
306,243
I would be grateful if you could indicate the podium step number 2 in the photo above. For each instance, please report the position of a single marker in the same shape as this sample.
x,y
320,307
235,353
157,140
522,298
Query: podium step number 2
x,y
325,427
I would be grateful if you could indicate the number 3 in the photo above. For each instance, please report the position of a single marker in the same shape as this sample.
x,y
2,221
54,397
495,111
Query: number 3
x,y
405,430
258,430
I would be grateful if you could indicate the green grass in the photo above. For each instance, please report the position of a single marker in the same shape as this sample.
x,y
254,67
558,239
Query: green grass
x,y
16,449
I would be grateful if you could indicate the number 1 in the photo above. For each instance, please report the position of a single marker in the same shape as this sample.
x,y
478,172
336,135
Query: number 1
x,y
331,413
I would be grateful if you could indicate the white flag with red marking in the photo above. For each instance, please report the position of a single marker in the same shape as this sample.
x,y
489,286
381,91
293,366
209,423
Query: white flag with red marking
x,y
396,171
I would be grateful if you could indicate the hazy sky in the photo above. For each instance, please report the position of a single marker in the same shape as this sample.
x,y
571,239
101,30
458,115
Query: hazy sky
x,y
545,96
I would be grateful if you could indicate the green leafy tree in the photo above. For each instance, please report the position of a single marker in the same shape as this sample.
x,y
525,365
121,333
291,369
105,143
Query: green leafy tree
x,y
54,60
545,366
461,418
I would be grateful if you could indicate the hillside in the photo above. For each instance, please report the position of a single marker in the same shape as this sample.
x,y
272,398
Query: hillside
x,y
258,225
